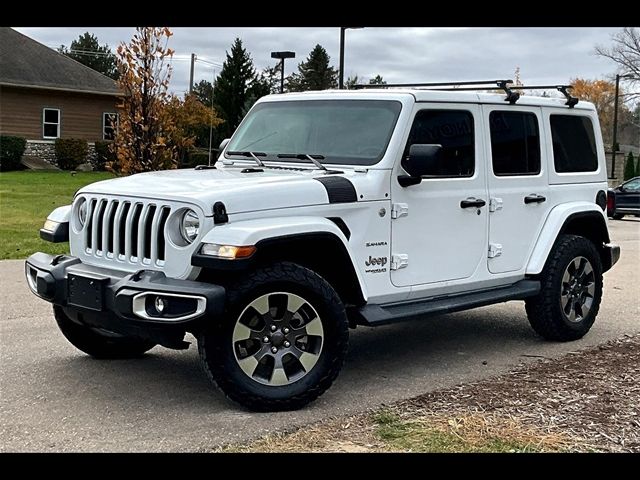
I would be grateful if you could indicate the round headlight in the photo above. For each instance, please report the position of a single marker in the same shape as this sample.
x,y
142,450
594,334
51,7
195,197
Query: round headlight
x,y
82,212
189,225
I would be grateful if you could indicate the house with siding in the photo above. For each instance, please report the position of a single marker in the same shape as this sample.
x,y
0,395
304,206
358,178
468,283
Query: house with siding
x,y
45,95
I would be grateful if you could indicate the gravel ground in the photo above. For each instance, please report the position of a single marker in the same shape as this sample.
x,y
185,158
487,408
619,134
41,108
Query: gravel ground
x,y
591,395
587,400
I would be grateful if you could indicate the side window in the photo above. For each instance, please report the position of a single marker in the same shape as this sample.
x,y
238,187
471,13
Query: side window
x,y
453,129
515,143
574,145
632,186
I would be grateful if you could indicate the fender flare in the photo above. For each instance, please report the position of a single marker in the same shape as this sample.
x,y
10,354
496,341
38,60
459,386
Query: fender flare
x,y
256,231
60,214
553,226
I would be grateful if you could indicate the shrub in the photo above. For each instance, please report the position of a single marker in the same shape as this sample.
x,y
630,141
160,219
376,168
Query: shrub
x,y
104,155
11,150
71,152
629,167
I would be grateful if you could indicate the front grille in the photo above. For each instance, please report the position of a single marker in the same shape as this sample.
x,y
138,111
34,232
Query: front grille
x,y
127,231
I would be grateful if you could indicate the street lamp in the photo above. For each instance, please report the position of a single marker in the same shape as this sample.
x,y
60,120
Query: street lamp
x,y
615,124
282,56
341,77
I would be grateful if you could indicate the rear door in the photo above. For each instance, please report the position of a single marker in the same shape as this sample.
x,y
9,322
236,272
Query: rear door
x,y
518,184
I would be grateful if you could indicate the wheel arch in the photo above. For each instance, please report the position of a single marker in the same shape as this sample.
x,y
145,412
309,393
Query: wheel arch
x,y
577,218
317,243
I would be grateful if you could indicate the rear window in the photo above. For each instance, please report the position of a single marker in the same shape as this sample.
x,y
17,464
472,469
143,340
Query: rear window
x,y
574,145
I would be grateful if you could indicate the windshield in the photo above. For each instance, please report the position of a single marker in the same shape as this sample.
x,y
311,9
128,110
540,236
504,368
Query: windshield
x,y
354,132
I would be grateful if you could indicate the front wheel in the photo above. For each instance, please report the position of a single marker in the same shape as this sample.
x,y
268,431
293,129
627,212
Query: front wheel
x,y
571,291
282,342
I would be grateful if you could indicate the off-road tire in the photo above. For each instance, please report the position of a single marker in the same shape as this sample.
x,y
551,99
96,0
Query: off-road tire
x,y
97,345
545,311
216,349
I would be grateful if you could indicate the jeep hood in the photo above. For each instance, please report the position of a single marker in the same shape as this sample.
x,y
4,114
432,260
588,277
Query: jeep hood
x,y
241,192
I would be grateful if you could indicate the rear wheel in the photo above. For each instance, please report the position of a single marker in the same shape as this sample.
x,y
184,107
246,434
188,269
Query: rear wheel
x,y
569,299
618,216
282,342
99,344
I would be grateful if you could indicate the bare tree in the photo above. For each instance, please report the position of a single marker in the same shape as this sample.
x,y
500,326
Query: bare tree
x,y
625,52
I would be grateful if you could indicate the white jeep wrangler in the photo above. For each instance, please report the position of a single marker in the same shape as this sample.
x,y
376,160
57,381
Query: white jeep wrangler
x,y
332,209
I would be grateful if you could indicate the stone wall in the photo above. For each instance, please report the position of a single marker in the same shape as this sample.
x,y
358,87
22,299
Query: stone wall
x,y
618,176
45,150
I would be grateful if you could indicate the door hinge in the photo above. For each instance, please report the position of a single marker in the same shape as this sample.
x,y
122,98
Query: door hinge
x,y
399,260
399,210
495,204
495,250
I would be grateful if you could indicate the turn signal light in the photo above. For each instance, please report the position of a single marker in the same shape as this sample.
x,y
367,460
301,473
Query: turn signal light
x,y
229,252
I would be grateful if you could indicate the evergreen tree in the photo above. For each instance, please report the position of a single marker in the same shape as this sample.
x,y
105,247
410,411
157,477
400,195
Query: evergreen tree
x,y
88,51
629,167
377,80
638,167
203,91
235,87
271,75
351,82
315,73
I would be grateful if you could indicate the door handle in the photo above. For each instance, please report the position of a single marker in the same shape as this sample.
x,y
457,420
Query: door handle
x,y
472,202
534,198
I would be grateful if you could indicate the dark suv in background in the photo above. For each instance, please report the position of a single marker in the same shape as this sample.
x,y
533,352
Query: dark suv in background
x,y
624,199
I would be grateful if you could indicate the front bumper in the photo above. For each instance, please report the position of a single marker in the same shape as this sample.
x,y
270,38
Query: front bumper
x,y
119,301
610,255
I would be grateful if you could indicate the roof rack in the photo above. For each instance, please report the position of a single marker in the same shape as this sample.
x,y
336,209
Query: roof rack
x,y
512,97
563,89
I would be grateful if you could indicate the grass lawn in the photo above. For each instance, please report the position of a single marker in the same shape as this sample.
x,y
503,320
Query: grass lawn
x,y
26,198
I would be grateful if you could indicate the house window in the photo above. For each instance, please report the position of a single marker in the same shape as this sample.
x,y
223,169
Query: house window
x,y
50,123
109,125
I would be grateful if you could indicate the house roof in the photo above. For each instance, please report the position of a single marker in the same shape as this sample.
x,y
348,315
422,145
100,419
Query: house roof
x,y
27,63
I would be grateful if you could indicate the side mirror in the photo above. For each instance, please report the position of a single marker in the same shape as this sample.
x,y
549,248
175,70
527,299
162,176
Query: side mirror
x,y
424,159
223,144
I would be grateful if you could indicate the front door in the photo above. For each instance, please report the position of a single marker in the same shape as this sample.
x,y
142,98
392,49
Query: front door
x,y
518,184
440,230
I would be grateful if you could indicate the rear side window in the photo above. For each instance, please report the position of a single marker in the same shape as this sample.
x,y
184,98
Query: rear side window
x,y
515,143
453,129
574,145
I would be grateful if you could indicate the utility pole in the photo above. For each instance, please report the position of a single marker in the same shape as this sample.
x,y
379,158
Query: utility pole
x,y
615,124
615,129
341,76
193,63
213,84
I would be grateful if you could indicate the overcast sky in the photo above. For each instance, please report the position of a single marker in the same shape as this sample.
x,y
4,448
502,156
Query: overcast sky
x,y
544,55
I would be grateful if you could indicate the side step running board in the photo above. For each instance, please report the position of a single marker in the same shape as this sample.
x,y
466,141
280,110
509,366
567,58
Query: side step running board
x,y
373,315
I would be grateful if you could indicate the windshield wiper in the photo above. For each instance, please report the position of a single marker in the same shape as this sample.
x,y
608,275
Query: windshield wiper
x,y
304,156
254,155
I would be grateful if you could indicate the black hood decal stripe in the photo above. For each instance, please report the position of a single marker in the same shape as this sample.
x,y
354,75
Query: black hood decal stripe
x,y
339,189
